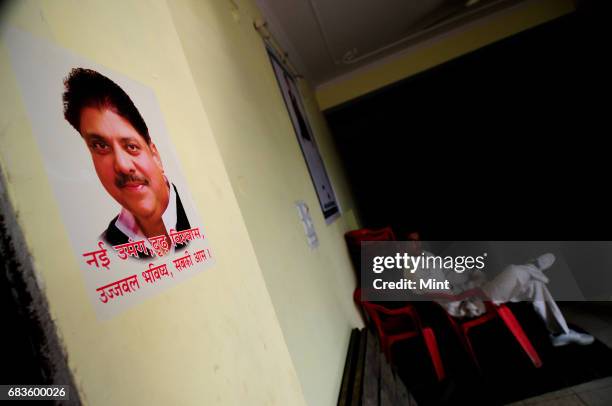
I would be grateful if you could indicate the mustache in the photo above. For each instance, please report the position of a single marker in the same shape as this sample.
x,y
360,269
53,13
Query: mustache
x,y
122,179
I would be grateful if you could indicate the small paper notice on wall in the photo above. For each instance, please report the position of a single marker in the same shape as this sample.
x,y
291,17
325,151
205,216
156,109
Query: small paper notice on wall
x,y
311,234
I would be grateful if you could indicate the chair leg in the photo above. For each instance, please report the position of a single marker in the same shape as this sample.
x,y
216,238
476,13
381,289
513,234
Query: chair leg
x,y
468,345
462,335
519,334
434,352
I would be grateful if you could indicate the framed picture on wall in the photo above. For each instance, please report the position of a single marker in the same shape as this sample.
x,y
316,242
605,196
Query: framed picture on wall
x,y
306,140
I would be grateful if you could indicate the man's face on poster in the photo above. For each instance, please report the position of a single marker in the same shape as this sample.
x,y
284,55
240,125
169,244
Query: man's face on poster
x,y
130,170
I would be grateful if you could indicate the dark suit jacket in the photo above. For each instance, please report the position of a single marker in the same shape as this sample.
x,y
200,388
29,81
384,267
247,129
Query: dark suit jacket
x,y
113,236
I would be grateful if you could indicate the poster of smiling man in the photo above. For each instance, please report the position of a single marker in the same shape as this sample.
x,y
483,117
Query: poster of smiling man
x,y
122,197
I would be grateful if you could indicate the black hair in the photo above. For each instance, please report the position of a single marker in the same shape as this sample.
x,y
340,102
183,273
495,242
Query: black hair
x,y
88,88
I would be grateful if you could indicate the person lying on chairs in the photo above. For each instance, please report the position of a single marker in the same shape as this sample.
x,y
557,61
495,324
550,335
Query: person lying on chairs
x,y
526,282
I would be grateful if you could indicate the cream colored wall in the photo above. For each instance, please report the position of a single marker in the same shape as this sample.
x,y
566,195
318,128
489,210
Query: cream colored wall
x,y
216,338
441,49
311,290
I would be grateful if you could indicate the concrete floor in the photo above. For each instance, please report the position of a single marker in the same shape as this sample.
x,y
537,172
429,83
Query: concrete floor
x,y
596,318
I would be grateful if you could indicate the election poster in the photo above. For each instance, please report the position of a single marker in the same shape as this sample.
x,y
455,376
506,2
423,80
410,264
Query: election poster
x,y
123,199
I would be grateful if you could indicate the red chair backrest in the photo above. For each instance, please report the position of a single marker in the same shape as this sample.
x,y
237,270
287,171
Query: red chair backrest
x,y
388,321
369,234
355,237
392,321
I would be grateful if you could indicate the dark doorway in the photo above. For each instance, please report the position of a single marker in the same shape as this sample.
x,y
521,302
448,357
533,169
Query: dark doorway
x,y
507,142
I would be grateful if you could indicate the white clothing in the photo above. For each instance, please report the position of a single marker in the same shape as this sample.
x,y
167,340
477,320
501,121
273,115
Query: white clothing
x,y
527,283
515,283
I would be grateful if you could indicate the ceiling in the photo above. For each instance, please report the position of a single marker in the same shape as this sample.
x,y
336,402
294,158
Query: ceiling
x,y
326,39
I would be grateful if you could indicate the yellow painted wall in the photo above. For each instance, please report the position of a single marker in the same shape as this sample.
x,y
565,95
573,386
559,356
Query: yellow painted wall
x,y
311,290
215,339
441,49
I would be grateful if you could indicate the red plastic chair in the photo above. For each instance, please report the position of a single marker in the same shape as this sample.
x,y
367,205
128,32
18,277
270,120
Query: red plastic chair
x,y
354,239
395,325
463,327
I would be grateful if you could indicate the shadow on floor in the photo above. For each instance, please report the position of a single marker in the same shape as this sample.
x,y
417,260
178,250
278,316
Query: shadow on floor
x,y
507,374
